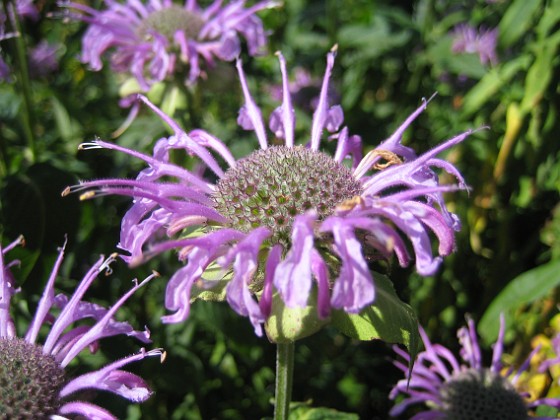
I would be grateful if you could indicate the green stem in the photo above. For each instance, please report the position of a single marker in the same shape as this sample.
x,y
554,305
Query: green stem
x,y
193,106
20,56
284,376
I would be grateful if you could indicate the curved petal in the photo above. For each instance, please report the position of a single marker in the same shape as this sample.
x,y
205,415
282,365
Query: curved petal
x,y
353,289
238,294
292,277
88,410
110,378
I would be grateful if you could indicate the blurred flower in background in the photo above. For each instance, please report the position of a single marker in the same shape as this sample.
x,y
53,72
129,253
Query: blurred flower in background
x,y
467,39
469,390
159,39
43,58
284,217
35,381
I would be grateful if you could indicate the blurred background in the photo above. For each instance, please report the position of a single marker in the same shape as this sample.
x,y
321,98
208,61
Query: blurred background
x,y
391,54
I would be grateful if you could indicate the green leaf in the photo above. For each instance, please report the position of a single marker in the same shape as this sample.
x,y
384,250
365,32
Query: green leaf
x,y
214,287
517,20
302,411
465,64
68,129
522,290
540,72
549,18
388,319
492,82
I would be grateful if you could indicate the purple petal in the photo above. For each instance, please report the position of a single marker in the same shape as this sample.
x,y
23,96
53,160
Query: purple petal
x,y
204,251
353,289
292,277
272,262
87,410
286,110
7,290
322,113
110,378
470,350
66,316
105,327
250,117
321,273
238,294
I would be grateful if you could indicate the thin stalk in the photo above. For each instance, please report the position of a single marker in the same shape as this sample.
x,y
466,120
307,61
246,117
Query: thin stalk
x,y
284,376
20,55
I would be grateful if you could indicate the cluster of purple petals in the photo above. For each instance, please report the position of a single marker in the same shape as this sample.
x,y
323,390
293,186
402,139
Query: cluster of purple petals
x,y
68,335
152,59
467,39
437,365
402,203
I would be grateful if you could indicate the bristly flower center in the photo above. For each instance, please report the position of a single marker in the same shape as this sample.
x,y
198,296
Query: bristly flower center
x,y
482,395
271,187
170,20
30,381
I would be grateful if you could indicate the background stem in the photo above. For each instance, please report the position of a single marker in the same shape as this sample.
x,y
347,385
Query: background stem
x,y
20,61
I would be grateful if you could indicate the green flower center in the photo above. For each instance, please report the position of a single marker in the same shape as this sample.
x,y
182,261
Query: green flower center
x,y
482,395
30,381
170,20
271,187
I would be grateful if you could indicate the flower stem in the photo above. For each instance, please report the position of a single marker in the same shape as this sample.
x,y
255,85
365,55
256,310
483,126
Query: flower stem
x,y
20,58
284,375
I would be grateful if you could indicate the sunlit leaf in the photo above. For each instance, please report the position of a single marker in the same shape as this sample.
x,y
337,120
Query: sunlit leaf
x,y
388,319
517,20
522,290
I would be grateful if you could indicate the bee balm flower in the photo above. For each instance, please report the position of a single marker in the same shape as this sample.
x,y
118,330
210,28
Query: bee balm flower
x,y
34,379
286,220
453,390
467,39
153,40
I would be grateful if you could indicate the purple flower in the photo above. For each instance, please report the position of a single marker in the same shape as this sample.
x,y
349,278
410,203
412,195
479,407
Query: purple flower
x,y
154,40
43,59
467,390
34,377
285,219
467,39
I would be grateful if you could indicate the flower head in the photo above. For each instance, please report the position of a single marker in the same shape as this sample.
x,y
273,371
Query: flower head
x,y
467,39
464,391
288,219
153,39
33,377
